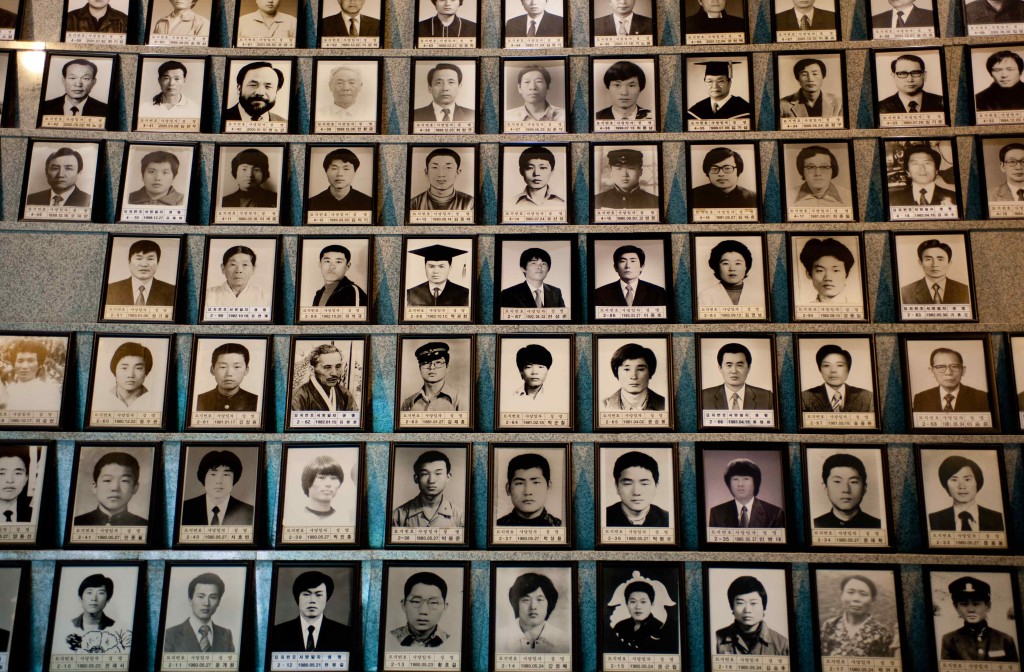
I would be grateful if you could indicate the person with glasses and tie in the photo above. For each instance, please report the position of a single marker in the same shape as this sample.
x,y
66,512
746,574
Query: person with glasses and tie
x,y
962,478
198,633
809,100
63,168
950,396
935,287
435,395
1011,165
909,76
745,510
720,103
438,290
921,165
904,14
424,601
834,395
723,167
142,288
311,630
218,472
629,289
734,361
350,22
537,22
78,77
533,292
622,21
533,598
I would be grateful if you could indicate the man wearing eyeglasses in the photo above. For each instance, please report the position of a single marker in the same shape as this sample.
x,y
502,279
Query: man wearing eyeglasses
x,y
950,396
424,601
818,167
723,167
1011,164
935,257
435,395
909,76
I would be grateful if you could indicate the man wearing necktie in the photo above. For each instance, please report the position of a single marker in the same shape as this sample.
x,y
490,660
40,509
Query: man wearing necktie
x,y
743,478
629,289
438,290
446,22
803,15
623,21
198,633
734,362
904,14
15,505
141,288
311,630
950,396
720,103
935,287
444,81
350,22
63,168
1011,165
909,75
78,77
537,22
218,473
533,292
962,478
921,164
834,395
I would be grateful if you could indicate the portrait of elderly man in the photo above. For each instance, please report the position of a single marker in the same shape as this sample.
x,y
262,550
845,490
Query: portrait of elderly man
x,y
748,634
159,170
975,640
430,507
633,366
950,395
130,364
624,80
804,15
908,76
344,86
962,478
533,292
444,81
827,264
142,288
79,78
629,289
96,16
921,164
904,14
809,100
115,481
745,509
1011,165
712,18
198,633
92,631
723,167
238,264
720,103
229,365
818,169
340,166
30,387
324,390
171,102
622,20
533,83
730,262
734,362
636,477
436,394
63,168
218,473
250,169
438,290
424,601
321,480
1006,92
536,166
845,481
528,484
350,22
257,84
625,167
311,630
834,395
536,22
183,20
533,598
15,504
979,12
338,289
442,168
267,21
935,287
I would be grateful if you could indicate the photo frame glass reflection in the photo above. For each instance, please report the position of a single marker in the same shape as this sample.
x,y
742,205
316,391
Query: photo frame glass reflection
x,y
320,495
921,179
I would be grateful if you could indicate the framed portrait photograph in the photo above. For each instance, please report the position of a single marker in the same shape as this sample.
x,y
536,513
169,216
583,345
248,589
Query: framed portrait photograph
x,y
248,181
26,505
820,181
633,23
730,277
155,181
985,18
113,495
920,179
438,275
641,617
533,629
935,276
60,178
729,396
231,394
447,25
903,20
724,182
718,91
130,382
858,616
425,605
8,84
524,266
743,495
714,21
535,386
624,94
847,495
637,493
1001,165
626,392
805,21
905,95
533,24
995,73
530,500
534,93
94,609
240,279
176,23
320,501
333,279
34,369
145,289
205,616
271,24
534,184
444,94
630,278
445,192
948,383
818,100
973,617
340,104
827,278
436,383
626,183
431,508
836,378
218,495
327,384
355,24
97,22
15,578
324,596
10,19
757,601
169,93
960,513
78,91
257,95
1016,357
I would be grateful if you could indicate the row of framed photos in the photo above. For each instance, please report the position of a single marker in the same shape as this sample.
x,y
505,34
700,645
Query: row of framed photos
x,y
426,617
744,497
80,91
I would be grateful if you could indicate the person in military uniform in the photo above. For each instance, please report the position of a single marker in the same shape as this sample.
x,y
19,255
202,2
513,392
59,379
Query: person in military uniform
x,y
720,103
972,599
625,80
528,482
437,290
435,395
429,508
424,601
625,166
115,480
229,366
723,167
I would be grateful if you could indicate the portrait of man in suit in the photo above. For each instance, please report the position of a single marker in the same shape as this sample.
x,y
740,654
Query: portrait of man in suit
x,y
845,481
438,290
78,77
444,81
734,362
962,478
257,84
633,365
636,477
324,390
340,166
921,163
430,507
625,167
720,103
115,481
436,394
622,20
350,22
142,288
834,395
63,167
229,365
1006,92
712,18
629,289
528,485
424,601
909,76
625,81
198,633
15,504
446,22
96,16
536,22
810,100
250,169
904,14
536,166
218,473
950,396
818,169
311,630
442,168
338,289
935,287
1011,165
722,166
803,15
745,509
533,292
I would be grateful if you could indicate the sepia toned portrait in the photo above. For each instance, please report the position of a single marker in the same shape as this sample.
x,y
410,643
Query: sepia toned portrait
x,y
534,24
1001,164
351,24
77,91
447,24
623,23
714,21
836,375
948,383
630,278
129,382
817,98
96,22
743,495
9,20
627,183
179,23
718,91
819,181
805,20
934,275
346,96
155,183
32,374
748,616
910,88
341,184
859,615
921,178
24,469
534,94
996,78
991,18
966,602
903,19
169,94
257,96
442,184
60,179
827,278
624,95
266,24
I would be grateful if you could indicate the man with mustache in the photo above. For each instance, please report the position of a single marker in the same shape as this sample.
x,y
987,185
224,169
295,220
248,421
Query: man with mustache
x,y
430,508
78,77
324,391
734,360
258,84
218,472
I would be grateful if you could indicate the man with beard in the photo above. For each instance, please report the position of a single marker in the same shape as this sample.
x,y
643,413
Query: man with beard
x,y
1006,92
62,170
250,168
115,480
340,166
720,103
142,288
338,290
324,391
935,287
444,81
625,167
1011,164
78,76
810,100
533,83
438,290
258,84
311,630
834,395
350,22
443,167
723,167
430,508
734,360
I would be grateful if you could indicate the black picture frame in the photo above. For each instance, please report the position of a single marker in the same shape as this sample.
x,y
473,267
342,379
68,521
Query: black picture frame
x,y
457,302
554,635
614,528
423,118
513,71
550,33
231,122
910,308
704,202
553,407
466,212
359,204
824,26
11,22
829,159
613,413
447,533
890,110
991,102
511,303
860,407
617,646
556,532
244,419
354,351
882,19
165,307
299,530
57,412
792,108
71,32
8,78
1000,201
981,22
467,31
643,120
321,98
346,310
900,206
103,405
710,295
443,420
1015,359
101,115
848,304
608,304
760,403
699,29
276,41
175,119
642,30
40,528
16,651
634,204
37,205
264,309
334,34
196,33
553,208
159,212
265,206
737,114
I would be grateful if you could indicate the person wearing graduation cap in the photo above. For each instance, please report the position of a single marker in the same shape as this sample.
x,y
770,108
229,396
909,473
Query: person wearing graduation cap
x,y
437,290
810,100
720,103
443,167
712,18
436,394
625,167
972,599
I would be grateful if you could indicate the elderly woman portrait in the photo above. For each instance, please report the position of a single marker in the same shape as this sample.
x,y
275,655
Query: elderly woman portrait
x,y
827,264
634,365
730,261
171,102
533,598
855,632
238,264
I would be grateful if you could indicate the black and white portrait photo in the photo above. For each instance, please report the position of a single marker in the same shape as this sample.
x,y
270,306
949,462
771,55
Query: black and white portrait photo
x,y
257,95
218,487
996,78
903,19
533,615
744,494
921,179
963,497
973,617
320,495
60,179
819,181
96,22
537,278
859,615
623,23
333,280
155,183
129,381
441,184
266,24
624,94
534,93
934,276
9,20
437,276
805,20
33,368
836,377
737,382
536,382
423,615
14,596
169,94
641,612
351,24
1001,164
239,278
327,384
730,277
111,495
447,24
827,278
1016,355
535,184
714,21
346,98
534,24
748,618
630,277
637,503
718,93
626,183
140,284
23,474
530,499
810,97
444,94
341,185
227,385
634,385
179,23
427,495
723,182
993,18
910,88
314,616
436,381
247,183
948,384
847,492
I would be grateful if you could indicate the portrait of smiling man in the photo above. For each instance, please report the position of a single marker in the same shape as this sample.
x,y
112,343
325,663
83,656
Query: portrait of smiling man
x,y
432,506
79,77
63,168
734,363
311,630
115,481
257,86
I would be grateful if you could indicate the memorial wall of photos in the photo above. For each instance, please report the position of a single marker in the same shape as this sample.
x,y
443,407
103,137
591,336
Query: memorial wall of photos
x,y
511,334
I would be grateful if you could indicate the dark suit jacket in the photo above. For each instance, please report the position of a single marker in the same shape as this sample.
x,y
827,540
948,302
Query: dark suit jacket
x,y
646,295
452,295
817,399
754,399
521,296
335,26
233,113
970,400
919,18
263,198
345,294
550,26
193,512
78,198
762,514
427,114
944,521
906,196
823,20
181,638
930,102
120,293
920,292
91,108
640,25
289,636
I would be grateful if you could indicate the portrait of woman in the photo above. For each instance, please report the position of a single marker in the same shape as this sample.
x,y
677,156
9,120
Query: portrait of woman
x,y
855,631
730,261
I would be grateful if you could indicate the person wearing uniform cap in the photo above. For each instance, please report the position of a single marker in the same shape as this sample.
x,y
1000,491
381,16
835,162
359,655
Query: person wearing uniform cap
x,y
437,290
623,21
533,292
962,478
629,289
443,167
625,81
972,599
340,166
723,167
435,395
625,167
720,103
712,18
810,100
